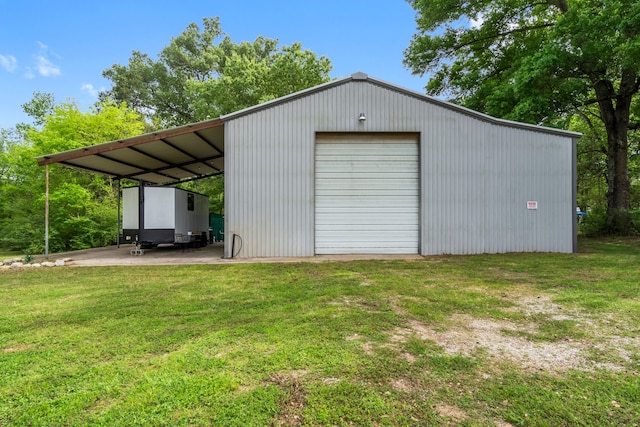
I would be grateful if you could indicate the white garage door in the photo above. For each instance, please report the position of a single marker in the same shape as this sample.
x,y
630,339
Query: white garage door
x,y
367,194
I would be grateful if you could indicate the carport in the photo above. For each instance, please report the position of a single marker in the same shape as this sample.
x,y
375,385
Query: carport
x,y
168,157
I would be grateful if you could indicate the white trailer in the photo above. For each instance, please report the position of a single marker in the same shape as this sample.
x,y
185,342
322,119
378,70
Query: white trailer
x,y
164,215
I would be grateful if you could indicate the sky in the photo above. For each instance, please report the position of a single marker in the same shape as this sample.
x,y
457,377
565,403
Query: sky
x,y
63,46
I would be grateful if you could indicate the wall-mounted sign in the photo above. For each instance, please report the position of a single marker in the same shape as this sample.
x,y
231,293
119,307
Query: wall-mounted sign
x,y
532,205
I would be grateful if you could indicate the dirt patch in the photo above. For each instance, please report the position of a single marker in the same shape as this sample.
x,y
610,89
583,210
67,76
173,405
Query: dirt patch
x,y
405,385
16,348
291,408
452,412
467,335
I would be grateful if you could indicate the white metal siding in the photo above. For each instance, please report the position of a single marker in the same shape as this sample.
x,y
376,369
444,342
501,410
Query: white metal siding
x,y
130,208
182,215
159,208
195,221
200,218
367,197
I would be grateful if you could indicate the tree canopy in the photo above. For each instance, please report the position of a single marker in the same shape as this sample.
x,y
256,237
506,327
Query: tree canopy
x,y
83,204
202,74
539,62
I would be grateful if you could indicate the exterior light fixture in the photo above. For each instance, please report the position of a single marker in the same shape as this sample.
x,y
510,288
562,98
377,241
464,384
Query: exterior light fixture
x,y
362,118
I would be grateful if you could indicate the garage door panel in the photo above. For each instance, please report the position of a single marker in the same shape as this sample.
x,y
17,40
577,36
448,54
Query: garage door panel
x,y
364,249
404,183
367,195
381,235
373,175
399,147
377,161
369,200
376,222
337,229
344,212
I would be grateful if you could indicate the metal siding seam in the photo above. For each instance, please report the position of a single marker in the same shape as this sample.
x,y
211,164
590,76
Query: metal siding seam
x,y
270,186
292,244
271,245
256,222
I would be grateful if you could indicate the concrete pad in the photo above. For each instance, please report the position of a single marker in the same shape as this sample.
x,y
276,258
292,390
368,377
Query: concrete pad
x,y
162,255
174,255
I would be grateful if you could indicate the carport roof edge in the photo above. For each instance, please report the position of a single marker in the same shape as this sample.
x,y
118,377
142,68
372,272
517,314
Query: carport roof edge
x,y
48,159
169,155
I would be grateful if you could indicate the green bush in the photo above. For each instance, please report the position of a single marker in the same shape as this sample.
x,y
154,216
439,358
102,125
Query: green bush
x,y
28,256
596,223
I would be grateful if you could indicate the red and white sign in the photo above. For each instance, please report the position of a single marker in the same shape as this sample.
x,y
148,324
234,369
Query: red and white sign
x,y
532,205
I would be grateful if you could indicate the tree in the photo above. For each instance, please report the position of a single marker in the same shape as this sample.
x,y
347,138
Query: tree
x,y
83,204
537,61
39,107
202,74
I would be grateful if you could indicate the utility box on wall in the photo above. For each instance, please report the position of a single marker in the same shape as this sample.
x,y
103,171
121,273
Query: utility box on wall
x,y
164,215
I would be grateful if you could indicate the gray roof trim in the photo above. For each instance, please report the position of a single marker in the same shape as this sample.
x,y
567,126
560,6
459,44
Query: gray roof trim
x,y
364,77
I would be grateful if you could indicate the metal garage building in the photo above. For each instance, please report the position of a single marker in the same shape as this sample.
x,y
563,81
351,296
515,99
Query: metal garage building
x,y
361,166
358,165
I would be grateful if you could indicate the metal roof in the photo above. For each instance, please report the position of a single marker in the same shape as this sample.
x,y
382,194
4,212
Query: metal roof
x,y
197,150
164,157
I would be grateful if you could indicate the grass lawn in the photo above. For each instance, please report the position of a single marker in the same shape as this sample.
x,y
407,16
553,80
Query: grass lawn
x,y
7,254
517,339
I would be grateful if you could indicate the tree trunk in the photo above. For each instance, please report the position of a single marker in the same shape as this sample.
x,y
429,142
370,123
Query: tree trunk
x,y
616,121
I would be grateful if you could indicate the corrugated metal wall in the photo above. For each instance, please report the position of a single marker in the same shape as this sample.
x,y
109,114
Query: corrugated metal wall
x,y
476,176
269,183
476,189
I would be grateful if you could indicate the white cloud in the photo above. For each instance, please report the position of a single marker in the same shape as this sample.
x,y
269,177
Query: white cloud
x,y
9,63
88,87
477,21
45,67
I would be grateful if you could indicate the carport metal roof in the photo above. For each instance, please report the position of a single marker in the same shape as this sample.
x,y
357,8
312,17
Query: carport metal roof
x,y
163,157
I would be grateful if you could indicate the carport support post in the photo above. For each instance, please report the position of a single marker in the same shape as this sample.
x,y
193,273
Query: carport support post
x,y
46,212
119,224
